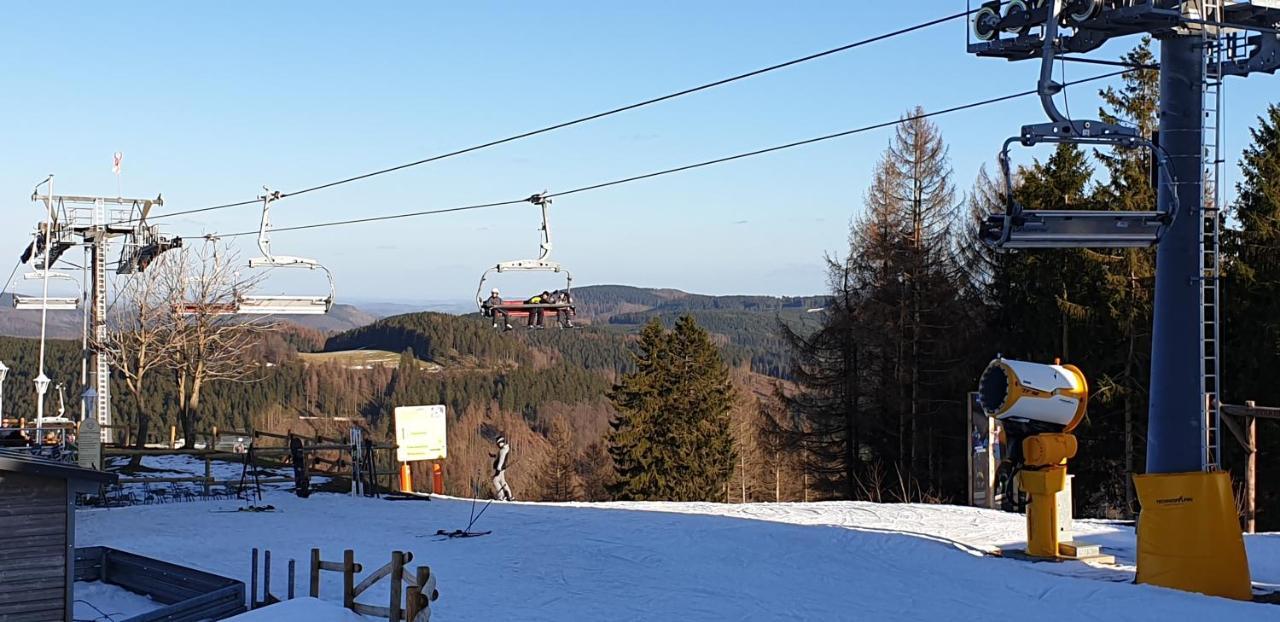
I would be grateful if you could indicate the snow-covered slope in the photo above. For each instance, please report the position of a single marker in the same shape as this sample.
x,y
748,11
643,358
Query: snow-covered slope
x,y
621,561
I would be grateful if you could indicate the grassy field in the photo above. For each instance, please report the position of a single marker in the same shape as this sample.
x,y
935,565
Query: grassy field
x,y
362,359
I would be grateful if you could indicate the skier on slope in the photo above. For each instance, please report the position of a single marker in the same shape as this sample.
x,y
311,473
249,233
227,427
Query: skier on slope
x,y
500,487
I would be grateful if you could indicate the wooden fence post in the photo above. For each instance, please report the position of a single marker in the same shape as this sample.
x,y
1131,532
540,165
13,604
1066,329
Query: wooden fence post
x,y
1251,472
266,576
208,475
173,437
292,568
349,579
253,581
315,573
397,575
416,600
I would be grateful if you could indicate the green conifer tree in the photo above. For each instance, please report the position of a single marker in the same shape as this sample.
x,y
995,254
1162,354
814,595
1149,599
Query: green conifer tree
x,y
671,439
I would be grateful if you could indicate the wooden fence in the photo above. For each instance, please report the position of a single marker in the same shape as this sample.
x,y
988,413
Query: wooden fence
x,y
419,586
188,595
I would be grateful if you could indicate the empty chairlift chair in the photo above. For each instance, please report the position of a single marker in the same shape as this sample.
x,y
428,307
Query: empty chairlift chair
x,y
39,300
561,303
282,304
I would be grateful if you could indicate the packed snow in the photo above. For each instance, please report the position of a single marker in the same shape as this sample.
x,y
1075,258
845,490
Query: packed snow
x,y
687,561
300,610
98,601
185,465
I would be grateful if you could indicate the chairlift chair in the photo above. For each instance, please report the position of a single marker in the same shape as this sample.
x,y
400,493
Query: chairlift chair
x,y
282,304
1018,228
517,309
36,302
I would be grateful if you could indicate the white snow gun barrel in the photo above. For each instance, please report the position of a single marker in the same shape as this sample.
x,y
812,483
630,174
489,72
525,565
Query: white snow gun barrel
x,y
1047,398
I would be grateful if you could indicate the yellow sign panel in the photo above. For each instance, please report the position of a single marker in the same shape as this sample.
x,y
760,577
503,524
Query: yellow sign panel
x,y
420,433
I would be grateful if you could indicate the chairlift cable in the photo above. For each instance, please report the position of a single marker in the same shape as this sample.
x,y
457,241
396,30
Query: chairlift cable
x,y
4,288
598,115
688,167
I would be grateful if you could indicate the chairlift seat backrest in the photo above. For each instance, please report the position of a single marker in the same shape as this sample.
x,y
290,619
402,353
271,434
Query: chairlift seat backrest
x,y
36,302
283,305
1075,229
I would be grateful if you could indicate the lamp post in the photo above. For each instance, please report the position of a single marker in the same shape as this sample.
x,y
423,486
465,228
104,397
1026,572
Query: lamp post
x,y
42,385
4,371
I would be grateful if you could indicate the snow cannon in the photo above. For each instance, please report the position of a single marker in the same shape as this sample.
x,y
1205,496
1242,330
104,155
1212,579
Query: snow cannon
x,y
1034,397
1038,406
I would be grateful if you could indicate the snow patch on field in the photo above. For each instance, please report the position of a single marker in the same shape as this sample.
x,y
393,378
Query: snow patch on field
x,y
641,561
96,600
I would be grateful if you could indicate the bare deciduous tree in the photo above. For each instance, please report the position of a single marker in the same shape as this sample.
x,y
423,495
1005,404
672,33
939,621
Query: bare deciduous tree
x,y
140,339
210,343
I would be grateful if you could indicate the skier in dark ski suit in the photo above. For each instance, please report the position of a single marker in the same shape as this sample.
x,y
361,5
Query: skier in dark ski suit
x,y
500,487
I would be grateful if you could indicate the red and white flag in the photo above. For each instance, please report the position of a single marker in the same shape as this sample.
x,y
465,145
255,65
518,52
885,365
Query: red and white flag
x,y
115,162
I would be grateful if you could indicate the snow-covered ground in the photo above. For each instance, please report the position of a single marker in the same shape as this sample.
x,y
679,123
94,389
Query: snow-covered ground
x,y
100,601
304,609
632,561
184,465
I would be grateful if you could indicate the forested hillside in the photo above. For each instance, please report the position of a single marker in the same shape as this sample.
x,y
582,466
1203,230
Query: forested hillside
x,y
748,326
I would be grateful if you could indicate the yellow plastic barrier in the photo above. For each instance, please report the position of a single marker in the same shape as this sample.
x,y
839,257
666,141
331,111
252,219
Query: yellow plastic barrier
x,y
1189,535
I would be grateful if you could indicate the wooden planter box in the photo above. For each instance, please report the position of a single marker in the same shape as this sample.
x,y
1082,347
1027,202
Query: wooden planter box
x,y
188,595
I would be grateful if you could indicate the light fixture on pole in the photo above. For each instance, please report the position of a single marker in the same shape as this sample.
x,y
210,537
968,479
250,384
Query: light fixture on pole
x,y
42,385
4,371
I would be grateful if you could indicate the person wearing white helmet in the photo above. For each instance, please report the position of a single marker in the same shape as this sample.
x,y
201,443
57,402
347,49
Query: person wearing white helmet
x,y
500,488
492,307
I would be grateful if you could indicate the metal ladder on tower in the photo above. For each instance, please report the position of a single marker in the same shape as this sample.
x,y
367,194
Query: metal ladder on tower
x,y
98,321
1215,49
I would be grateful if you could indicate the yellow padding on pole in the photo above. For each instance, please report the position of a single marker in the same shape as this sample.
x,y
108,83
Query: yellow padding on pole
x,y
1189,535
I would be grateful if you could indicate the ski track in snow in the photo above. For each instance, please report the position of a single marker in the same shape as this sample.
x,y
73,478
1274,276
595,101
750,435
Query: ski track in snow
x,y
680,561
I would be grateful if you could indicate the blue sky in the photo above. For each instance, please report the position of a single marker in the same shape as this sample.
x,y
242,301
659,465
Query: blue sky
x,y
210,102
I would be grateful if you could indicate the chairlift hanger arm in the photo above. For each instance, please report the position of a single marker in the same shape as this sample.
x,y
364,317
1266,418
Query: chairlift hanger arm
x,y
543,202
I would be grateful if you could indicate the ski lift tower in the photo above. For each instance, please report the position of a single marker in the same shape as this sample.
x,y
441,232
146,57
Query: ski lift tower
x,y
94,221
1188,537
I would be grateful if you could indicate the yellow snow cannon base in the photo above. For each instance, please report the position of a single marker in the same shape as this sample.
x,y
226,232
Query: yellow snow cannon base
x,y
1189,535
1042,511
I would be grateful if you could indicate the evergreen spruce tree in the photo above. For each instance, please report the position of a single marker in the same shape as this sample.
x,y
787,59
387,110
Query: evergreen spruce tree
x,y
642,442
1252,292
671,439
701,397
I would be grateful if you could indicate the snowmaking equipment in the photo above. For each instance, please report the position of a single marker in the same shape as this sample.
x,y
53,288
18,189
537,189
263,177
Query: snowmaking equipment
x,y
1038,406
1189,536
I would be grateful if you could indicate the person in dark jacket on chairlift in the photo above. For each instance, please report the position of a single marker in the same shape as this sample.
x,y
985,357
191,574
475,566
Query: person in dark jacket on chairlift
x,y
493,308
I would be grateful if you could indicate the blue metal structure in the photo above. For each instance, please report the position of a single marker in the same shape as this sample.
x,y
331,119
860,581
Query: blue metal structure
x,y
1246,39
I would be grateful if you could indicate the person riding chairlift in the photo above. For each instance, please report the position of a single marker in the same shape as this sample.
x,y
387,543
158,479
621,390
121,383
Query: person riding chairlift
x,y
535,315
493,308
563,297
